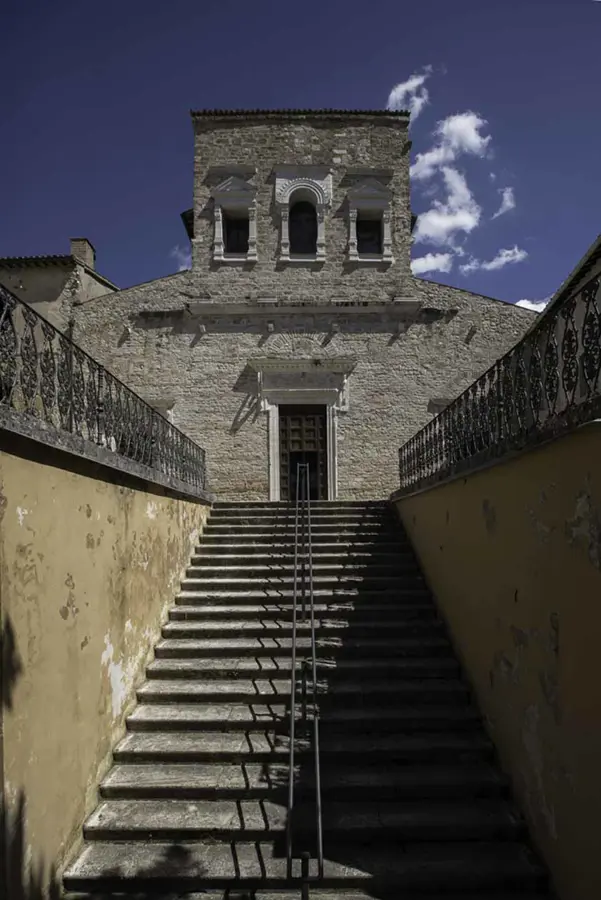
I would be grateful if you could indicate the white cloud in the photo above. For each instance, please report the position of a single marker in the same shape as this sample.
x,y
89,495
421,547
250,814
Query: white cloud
x,y
535,305
411,93
432,262
183,257
507,201
443,221
503,258
456,135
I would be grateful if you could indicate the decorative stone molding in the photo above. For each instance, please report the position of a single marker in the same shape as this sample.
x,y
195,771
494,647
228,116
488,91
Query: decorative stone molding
x,y
234,195
373,197
310,381
313,183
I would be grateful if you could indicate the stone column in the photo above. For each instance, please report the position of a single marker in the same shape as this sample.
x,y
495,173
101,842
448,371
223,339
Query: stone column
x,y
352,234
252,233
321,232
218,245
386,236
284,236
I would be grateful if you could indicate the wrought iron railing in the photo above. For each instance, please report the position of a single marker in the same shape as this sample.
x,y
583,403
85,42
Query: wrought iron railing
x,y
546,385
46,377
309,710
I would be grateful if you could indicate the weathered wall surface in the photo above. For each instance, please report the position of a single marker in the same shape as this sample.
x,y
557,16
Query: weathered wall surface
x,y
213,397
513,555
352,148
45,289
53,290
89,561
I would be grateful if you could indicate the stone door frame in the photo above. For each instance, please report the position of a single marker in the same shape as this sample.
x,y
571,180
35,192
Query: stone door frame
x,y
302,398
302,381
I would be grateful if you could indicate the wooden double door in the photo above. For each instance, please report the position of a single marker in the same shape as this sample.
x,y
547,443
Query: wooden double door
x,y
303,439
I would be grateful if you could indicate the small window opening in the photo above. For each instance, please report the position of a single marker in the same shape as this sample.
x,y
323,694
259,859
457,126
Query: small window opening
x,y
369,235
235,234
302,228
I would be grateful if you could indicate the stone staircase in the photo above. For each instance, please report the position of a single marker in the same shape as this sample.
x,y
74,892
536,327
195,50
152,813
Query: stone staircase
x,y
413,802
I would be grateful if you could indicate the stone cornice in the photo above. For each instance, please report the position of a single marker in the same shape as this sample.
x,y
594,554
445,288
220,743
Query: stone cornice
x,y
341,365
273,306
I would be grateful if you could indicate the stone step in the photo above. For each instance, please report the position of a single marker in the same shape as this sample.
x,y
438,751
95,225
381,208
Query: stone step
x,y
267,746
393,568
344,894
320,582
269,627
267,558
324,527
158,865
242,667
361,594
251,820
341,549
317,514
341,692
343,611
338,893
331,646
256,781
351,501
275,716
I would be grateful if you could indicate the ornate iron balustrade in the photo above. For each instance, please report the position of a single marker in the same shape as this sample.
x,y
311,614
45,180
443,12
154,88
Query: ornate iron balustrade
x,y
43,374
548,384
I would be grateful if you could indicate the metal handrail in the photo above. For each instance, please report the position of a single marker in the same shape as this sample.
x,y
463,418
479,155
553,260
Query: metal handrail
x,y
302,537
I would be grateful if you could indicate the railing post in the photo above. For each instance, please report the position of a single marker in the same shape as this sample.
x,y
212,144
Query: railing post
x,y
70,327
304,692
305,876
100,436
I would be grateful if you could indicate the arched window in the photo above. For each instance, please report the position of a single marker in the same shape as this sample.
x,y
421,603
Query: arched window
x,y
302,227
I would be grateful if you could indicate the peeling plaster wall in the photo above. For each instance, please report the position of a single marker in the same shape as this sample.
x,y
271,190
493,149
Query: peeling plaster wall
x,y
513,556
88,568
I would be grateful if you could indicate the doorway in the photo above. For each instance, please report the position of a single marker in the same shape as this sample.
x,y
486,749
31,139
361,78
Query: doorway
x,y
303,439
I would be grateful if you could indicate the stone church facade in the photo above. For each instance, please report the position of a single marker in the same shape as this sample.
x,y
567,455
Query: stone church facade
x,y
299,333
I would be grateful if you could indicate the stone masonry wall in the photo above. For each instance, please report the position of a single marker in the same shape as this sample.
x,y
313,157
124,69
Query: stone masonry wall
x,y
353,148
184,342
215,395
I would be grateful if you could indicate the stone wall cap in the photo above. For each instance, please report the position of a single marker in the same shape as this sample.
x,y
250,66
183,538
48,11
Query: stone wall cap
x,y
293,113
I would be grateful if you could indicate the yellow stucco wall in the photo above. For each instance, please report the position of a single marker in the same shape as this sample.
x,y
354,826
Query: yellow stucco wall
x,y
87,570
513,556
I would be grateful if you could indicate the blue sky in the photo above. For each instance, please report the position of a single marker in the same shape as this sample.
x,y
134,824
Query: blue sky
x,y
97,141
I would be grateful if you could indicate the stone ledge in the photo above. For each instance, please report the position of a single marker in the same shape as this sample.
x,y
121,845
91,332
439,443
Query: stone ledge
x,y
34,429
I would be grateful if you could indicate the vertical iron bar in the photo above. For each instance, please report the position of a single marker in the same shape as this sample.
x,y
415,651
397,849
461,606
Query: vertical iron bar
x,y
302,468
304,693
292,694
305,876
318,794
70,327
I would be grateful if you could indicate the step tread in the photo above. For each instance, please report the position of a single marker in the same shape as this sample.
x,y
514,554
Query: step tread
x,y
267,593
243,777
273,664
190,745
277,643
445,866
274,578
265,713
269,623
235,817
276,687
330,610
274,568
240,547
